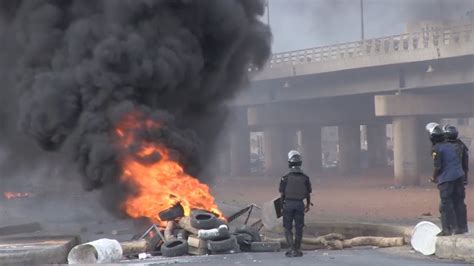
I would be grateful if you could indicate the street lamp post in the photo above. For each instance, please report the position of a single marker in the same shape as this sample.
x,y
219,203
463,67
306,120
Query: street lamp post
x,y
362,19
267,4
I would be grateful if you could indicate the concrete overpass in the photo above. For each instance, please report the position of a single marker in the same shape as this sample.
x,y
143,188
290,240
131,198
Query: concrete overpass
x,y
404,80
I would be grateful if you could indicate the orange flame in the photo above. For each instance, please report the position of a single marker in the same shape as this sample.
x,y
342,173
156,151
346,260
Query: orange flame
x,y
14,195
161,184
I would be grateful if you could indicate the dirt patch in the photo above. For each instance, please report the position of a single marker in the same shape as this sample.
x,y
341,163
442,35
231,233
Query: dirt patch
x,y
369,197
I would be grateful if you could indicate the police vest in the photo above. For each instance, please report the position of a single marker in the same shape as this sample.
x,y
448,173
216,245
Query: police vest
x,y
296,188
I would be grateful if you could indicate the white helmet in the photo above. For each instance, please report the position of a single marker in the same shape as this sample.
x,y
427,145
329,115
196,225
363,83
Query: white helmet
x,y
294,159
293,153
430,127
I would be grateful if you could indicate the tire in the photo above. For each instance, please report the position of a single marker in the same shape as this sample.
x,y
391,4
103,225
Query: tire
x,y
204,220
156,243
265,246
221,222
244,240
251,231
174,248
222,245
172,213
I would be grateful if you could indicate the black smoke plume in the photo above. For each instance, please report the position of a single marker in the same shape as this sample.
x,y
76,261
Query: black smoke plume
x,y
84,64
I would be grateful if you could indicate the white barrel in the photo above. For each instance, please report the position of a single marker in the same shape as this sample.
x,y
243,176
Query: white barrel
x,y
424,237
98,251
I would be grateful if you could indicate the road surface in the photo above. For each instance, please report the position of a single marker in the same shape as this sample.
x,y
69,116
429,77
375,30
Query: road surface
x,y
354,257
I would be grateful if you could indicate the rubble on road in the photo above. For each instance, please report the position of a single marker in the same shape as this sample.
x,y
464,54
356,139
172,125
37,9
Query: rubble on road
x,y
203,233
200,233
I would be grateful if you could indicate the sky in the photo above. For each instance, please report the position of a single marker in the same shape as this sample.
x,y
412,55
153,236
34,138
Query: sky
x,y
298,24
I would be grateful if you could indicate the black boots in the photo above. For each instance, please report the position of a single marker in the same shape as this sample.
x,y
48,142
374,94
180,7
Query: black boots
x,y
461,231
291,245
294,247
445,232
461,220
298,251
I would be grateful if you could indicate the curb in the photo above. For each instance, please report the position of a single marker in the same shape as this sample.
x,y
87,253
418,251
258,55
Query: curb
x,y
455,248
458,247
36,250
351,230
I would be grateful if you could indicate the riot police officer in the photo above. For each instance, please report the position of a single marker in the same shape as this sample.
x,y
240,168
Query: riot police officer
x,y
459,191
294,188
448,173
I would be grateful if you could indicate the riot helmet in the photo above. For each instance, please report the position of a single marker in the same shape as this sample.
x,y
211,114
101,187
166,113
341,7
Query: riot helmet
x,y
294,159
436,132
450,132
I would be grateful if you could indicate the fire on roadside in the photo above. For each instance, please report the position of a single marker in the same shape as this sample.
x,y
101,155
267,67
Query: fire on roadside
x,y
159,184
15,195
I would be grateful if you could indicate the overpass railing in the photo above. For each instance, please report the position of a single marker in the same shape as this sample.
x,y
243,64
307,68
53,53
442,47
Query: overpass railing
x,y
433,37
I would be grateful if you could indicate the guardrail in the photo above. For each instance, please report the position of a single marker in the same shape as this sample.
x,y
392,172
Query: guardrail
x,y
434,37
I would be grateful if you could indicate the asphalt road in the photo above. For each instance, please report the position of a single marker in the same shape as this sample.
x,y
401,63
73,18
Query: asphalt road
x,y
354,257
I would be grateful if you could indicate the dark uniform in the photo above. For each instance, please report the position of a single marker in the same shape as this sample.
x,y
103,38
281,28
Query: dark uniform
x,y
294,188
464,151
459,205
449,175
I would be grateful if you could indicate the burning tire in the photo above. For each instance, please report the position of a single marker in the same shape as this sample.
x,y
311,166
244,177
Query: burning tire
x,y
250,231
265,246
227,244
172,213
174,248
204,220
221,222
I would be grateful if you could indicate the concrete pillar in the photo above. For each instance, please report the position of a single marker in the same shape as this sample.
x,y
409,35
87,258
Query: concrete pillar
x,y
311,148
239,144
406,150
277,142
349,149
377,145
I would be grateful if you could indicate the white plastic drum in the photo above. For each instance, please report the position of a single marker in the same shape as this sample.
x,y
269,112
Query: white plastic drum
x,y
99,251
424,237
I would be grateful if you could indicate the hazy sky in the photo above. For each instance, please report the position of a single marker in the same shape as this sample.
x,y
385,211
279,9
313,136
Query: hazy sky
x,y
298,24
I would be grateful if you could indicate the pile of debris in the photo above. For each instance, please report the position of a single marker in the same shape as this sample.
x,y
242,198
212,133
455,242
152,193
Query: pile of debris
x,y
204,233
200,233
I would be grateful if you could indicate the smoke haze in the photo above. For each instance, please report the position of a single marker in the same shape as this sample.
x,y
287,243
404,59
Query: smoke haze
x,y
82,65
299,24
71,69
